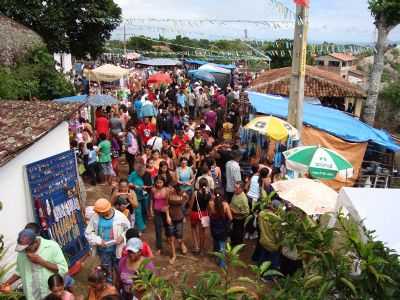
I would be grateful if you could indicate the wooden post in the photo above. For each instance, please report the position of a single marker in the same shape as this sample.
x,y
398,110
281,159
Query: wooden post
x,y
295,112
125,39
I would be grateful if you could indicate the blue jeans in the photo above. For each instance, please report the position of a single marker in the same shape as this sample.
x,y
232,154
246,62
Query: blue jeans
x,y
139,220
219,246
263,255
109,261
160,219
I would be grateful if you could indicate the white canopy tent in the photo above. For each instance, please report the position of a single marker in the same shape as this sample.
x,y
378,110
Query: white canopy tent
x,y
377,209
107,73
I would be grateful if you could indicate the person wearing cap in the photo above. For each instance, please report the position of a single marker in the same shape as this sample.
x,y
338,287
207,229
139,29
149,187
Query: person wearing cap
x,y
129,266
105,232
37,260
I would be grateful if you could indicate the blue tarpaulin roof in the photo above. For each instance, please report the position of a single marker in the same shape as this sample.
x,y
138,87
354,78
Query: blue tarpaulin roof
x,y
71,99
326,119
203,62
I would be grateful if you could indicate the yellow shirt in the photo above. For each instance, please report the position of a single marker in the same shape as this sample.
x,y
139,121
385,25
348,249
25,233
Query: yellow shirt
x,y
227,131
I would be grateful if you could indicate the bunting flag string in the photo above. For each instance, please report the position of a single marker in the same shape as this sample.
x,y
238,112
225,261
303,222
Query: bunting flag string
x,y
197,22
285,12
196,53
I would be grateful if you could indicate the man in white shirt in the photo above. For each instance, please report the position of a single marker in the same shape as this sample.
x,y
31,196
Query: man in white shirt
x,y
233,175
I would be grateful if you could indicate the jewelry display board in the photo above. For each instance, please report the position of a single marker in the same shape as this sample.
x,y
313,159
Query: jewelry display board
x,y
54,188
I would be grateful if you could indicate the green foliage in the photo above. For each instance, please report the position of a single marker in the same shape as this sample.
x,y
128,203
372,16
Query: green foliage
x,y
154,288
391,93
386,12
222,285
338,263
140,43
4,269
34,76
77,27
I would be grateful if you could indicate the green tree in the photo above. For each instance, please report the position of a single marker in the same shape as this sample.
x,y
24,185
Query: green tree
x,y
387,16
34,76
76,27
139,43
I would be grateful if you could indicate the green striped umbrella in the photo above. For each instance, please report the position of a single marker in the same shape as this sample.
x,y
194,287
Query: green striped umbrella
x,y
318,162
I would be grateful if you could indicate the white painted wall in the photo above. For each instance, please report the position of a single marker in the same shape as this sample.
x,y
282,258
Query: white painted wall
x,y
14,191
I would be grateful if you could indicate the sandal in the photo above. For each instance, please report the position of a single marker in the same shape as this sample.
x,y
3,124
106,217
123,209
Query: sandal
x,y
172,260
184,250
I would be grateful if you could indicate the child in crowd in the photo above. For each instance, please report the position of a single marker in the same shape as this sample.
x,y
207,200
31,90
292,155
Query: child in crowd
x,y
98,285
56,286
122,204
91,163
134,233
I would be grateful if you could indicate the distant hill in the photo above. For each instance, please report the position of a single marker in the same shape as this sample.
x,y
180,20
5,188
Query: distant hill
x,y
392,65
16,41
388,112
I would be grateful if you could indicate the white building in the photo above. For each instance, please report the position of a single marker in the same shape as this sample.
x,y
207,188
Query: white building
x,y
30,131
340,63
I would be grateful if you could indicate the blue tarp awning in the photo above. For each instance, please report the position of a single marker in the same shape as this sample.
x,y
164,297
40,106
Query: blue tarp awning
x,y
203,62
327,119
71,99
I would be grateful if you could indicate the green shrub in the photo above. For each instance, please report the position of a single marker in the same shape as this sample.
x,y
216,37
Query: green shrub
x,y
34,76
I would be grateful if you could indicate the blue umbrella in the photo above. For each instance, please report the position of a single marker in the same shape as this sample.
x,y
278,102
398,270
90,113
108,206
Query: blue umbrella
x,y
101,100
71,99
201,75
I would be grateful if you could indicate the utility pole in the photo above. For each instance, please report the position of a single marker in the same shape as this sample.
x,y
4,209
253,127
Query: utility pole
x,y
295,112
124,39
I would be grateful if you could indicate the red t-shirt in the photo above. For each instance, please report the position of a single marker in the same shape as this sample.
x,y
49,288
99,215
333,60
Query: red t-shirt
x,y
179,144
146,250
221,100
102,125
152,97
146,132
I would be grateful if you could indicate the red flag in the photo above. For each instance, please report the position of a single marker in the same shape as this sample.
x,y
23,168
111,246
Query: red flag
x,y
302,2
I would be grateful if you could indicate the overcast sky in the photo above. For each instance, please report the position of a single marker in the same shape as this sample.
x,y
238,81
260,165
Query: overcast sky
x,y
330,20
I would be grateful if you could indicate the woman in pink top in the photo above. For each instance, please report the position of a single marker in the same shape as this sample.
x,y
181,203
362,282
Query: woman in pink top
x,y
159,209
56,286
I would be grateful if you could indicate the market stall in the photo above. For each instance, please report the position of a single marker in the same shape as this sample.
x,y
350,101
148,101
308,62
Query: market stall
x,y
106,73
329,128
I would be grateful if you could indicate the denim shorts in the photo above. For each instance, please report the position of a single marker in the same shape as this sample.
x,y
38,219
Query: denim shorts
x,y
107,169
175,229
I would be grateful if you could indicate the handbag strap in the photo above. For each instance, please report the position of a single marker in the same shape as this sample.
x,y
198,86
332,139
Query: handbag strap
x,y
198,206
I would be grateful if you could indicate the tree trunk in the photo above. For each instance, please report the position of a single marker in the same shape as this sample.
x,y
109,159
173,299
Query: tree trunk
x,y
375,78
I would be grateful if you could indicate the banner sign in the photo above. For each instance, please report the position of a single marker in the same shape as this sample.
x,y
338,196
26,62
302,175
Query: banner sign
x,y
54,189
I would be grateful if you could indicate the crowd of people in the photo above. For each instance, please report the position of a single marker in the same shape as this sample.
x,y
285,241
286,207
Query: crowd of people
x,y
186,167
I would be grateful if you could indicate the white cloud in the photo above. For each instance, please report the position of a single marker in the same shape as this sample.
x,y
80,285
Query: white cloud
x,y
334,20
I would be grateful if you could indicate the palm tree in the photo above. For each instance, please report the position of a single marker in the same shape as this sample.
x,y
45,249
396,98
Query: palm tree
x,y
387,17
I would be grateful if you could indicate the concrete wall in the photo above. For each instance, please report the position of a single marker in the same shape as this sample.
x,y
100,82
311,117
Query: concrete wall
x,y
14,191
